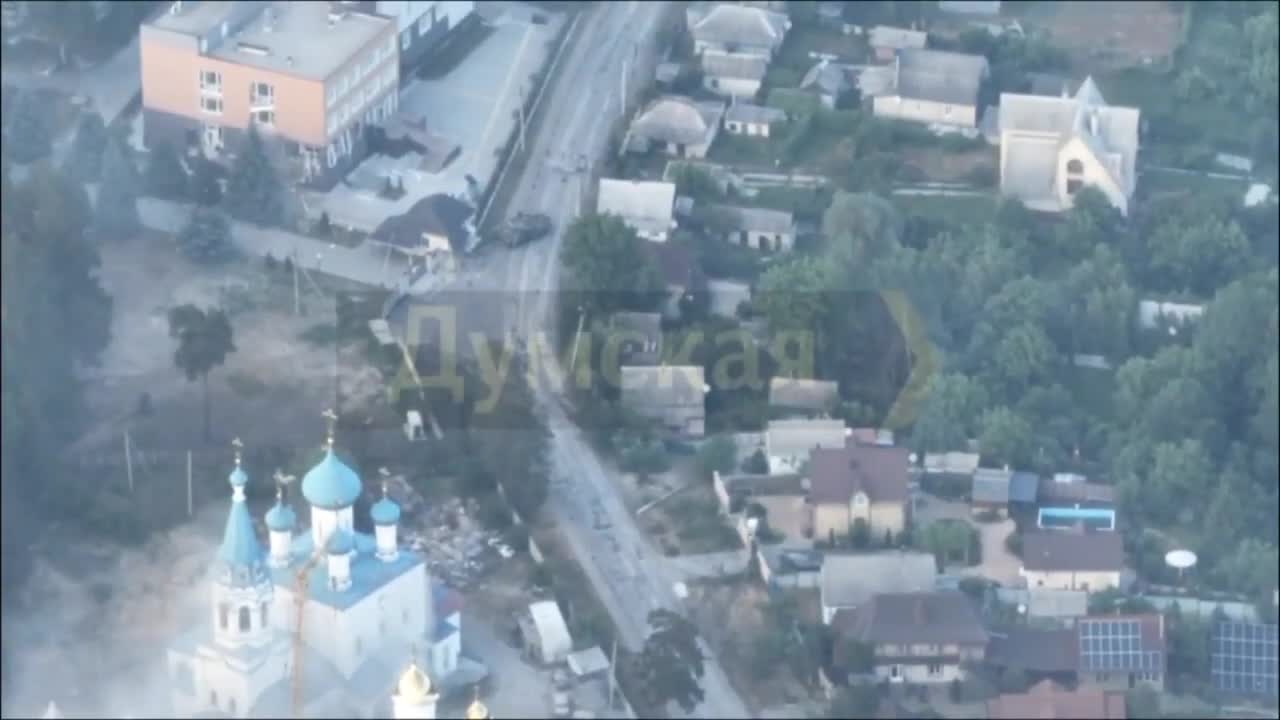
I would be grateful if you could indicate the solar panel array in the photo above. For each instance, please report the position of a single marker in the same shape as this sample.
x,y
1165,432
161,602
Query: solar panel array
x,y
1115,646
1244,658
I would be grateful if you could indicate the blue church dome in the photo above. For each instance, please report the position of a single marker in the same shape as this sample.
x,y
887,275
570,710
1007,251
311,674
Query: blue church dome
x,y
385,512
331,485
281,518
340,542
238,477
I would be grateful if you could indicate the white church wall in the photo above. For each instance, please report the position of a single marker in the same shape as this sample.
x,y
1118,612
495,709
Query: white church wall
x,y
397,613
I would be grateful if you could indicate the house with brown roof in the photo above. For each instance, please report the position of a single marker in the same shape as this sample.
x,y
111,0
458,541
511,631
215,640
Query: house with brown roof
x,y
858,483
679,273
1049,701
1072,560
914,637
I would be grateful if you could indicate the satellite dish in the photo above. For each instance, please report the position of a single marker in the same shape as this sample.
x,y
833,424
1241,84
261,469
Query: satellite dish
x,y
1180,559
680,590
1022,609
913,458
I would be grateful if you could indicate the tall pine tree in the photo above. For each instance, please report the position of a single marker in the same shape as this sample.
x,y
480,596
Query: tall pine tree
x,y
84,162
254,191
116,209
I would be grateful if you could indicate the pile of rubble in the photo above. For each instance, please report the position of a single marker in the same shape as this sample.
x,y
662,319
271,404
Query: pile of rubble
x,y
459,551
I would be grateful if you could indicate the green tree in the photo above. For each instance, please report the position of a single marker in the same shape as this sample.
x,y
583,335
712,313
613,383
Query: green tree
x,y
1177,474
861,700
948,414
671,663
204,341
116,207
64,24
254,191
204,186
718,454
756,464
206,238
1006,438
1097,306
1091,221
1024,356
27,134
84,161
794,296
166,178
1196,254
860,228
1261,33
608,264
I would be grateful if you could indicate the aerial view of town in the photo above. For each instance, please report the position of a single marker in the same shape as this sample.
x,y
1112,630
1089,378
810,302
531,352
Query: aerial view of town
x,y
640,359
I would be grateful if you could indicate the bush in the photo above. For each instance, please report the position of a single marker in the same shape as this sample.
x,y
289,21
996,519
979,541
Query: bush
x,y
983,176
757,464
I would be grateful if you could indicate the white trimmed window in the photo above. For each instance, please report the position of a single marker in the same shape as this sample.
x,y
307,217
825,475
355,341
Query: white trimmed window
x,y
211,105
210,81
265,117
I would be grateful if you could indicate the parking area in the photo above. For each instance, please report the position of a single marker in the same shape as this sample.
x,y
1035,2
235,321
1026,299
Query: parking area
x,y
473,107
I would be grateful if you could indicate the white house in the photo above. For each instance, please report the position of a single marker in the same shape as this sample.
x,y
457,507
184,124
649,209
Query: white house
x,y
933,87
1050,147
789,442
751,120
551,635
733,74
760,228
646,206
1072,560
886,41
733,28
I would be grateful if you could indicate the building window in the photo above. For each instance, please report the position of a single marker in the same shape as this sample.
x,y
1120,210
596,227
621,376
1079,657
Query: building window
x,y
210,81
211,105
934,669
1074,166
347,81
223,611
265,117
244,619
262,93
1074,185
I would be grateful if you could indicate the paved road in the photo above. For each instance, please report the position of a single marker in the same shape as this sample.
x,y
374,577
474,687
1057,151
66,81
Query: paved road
x,y
629,575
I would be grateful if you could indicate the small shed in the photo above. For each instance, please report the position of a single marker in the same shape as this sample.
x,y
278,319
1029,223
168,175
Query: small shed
x,y
589,662
991,489
1023,487
546,634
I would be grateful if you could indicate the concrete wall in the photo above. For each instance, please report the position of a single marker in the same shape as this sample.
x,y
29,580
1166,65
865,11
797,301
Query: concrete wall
x,y
925,111
732,87
771,242
749,129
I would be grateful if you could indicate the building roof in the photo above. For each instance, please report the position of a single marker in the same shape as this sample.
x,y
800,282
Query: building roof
x,y
385,512
895,38
1023,487
240,552
795,437
762,220
937,76
588,662
839,473
1244,659
938,618
664,385
1052,491
730,24
803,394
1037,650
1121,643
331,484
281,517
1048,701
759,485
367,572
991,486
553,633
752,114
851,579
828,77
645,205
437,214
951,463
290,38
1072,551
647,326
675,263
737,66
1110,133
677,119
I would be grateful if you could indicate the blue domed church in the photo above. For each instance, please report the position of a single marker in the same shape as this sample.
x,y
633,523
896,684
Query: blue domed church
x,y
325,619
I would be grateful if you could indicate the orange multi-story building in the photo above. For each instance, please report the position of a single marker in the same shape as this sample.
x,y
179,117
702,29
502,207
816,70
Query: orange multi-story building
x,y
310,75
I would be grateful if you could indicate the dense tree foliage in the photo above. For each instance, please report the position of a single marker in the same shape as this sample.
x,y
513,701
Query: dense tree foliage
x,y
608,267
84,161
165,176
671,663
206,238
254,191
204,340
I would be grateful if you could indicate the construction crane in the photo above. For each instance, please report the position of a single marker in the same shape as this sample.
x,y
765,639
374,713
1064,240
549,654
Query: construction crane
x,y
300,606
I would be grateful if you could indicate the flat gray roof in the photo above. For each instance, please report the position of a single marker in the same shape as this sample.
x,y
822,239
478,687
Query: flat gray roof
x,y
294,38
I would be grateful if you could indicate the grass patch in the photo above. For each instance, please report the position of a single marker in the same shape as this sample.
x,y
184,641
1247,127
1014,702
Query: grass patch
x,y
320,334
245,385
1158,182
697,524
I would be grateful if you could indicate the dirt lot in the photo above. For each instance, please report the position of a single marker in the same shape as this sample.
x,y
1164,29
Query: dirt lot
x,y
1110,35
949,167
687,522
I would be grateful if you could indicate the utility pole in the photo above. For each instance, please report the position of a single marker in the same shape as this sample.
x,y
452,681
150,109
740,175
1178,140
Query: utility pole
x,y
577,338
613,672
190,509
521,110
128,460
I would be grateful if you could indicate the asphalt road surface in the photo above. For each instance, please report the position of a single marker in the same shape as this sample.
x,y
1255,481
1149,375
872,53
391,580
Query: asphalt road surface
x,y
582,103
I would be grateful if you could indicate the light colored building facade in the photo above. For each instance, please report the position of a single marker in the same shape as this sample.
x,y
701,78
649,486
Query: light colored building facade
x,y
646,206
1050,147
422,24
734,75
934,87
310,75
858,484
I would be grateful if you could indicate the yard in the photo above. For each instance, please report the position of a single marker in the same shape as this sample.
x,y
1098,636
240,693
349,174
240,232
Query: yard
x,y
1113,35
690,523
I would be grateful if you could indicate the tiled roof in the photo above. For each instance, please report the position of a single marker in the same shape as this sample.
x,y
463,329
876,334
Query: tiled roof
x,y
1038,650
727,23
991,486
839,473
645,205
851,579
943,77
937,618
736,66
752,114
677,119
1072,551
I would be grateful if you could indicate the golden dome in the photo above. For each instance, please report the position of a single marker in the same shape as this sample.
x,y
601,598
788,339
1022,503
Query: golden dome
x,y
414,685
477,711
